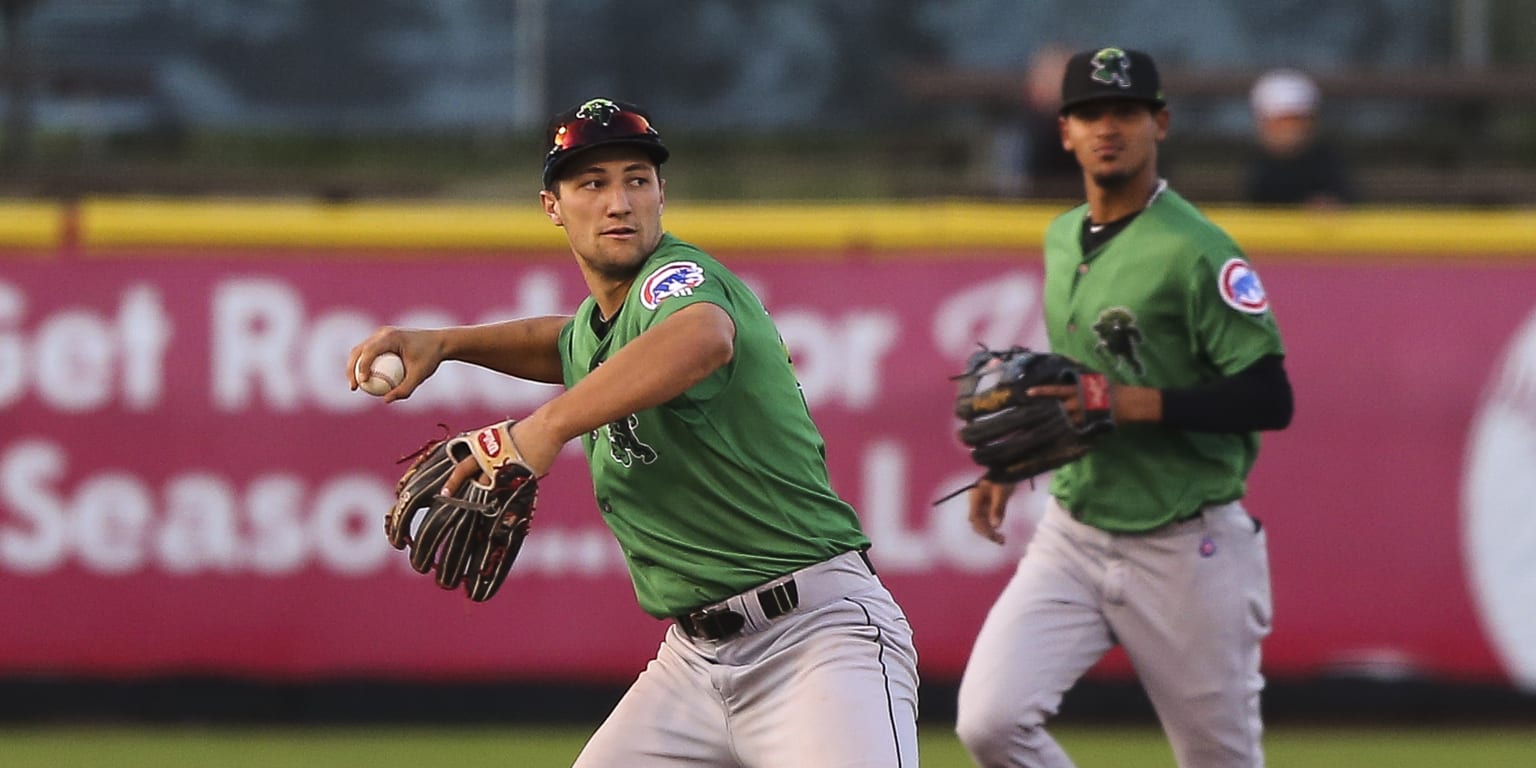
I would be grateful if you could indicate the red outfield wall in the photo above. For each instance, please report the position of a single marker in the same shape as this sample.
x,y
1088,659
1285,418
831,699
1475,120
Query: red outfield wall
x,y
187,486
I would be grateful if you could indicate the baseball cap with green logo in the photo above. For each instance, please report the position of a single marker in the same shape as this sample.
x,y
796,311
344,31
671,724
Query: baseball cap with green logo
x,y
598,123
1110,73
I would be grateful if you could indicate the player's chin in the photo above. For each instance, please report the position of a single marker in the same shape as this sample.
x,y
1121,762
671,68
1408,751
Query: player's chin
x,y
1112,177
620,263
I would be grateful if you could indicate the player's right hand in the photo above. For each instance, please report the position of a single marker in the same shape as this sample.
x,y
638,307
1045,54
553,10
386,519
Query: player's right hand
x,y
421,350
989,503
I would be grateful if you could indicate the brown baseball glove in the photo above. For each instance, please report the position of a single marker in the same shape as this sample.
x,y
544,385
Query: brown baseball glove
x,y
472,537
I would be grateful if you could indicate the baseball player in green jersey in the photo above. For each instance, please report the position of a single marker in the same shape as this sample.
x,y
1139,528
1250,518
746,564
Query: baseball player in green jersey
x,y
1145,542
785,648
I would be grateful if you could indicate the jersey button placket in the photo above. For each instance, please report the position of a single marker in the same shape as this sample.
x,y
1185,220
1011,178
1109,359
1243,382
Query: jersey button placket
x,y
1077,282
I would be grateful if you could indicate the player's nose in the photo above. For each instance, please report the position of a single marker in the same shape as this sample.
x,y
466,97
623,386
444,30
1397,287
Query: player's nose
x,y
619,202
1105,124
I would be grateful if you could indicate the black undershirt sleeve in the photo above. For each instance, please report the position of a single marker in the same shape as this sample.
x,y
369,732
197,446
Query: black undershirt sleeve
x,y
1256,398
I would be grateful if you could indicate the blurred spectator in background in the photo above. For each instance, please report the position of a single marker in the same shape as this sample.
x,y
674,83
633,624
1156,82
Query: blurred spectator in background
x,y
1050,170
1291,163
1030,159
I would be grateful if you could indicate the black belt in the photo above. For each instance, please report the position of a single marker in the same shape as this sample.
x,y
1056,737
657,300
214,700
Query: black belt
x,y
722,623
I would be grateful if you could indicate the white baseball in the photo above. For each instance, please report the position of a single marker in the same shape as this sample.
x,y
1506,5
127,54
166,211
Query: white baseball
x,y
387,372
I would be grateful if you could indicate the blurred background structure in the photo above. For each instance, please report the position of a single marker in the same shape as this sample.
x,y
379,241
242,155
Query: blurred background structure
x,y
1434,101
205,203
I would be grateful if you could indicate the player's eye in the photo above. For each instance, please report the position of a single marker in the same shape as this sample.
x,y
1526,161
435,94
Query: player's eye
x,y
1125,110
1088,113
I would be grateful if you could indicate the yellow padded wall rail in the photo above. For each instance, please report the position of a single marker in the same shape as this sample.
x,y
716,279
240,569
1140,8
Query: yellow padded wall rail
x,y
836,228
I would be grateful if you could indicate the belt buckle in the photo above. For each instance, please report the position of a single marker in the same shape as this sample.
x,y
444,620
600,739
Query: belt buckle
x,y
719,622
712,624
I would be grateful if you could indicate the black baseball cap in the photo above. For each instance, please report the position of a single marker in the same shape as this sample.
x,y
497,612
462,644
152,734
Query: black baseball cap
x,y
1110,73
598,123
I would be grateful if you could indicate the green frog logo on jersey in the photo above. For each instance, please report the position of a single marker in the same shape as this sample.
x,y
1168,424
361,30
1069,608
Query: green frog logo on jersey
x,y
1112,67
625,445
1119,337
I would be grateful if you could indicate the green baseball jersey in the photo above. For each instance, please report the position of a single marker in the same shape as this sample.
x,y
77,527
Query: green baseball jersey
x,y
1169,302
725,486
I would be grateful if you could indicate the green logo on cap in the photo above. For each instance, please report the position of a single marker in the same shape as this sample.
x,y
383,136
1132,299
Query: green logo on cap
x,y
601,110
1112,67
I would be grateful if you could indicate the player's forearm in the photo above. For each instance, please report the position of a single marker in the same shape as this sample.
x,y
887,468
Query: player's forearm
x,y
1256,398
1132,403
528,348
656,367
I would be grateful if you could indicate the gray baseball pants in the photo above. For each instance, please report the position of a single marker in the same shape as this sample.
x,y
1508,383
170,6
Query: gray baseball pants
x,y
831,684
1189,602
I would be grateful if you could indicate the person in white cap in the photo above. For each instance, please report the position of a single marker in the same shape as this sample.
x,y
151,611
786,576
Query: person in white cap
x,y
1291,164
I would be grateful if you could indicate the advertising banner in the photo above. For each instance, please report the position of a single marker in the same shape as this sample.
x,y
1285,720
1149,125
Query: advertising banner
x,y
188,487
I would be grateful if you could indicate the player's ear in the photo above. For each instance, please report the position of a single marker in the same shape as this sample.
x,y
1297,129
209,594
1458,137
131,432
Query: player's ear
x,y
1061,128
1162,117
551,203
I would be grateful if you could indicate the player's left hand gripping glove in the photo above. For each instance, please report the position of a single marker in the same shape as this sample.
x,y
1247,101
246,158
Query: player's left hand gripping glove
x,y
472,537
1016,436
